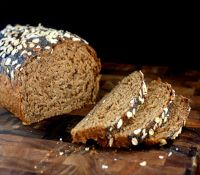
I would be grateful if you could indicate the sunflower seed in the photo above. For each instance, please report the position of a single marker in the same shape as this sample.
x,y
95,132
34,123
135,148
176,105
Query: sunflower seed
x,y
133,111
110,142
129,114
134,141
151,132
144,163
119,124
8,61
31,45
36,40
157,120
137,131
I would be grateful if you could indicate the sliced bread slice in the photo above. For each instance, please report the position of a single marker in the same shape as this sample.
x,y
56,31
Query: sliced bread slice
x,y
178,113
151,115
113,110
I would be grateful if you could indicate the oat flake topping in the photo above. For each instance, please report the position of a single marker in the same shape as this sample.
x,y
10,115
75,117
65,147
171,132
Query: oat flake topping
x,y
20,42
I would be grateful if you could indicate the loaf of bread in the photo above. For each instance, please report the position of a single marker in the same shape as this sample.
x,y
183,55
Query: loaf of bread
x,y
45,72
113,111
118,120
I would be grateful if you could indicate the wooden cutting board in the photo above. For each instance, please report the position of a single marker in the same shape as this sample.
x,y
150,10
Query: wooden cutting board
x,y
46,148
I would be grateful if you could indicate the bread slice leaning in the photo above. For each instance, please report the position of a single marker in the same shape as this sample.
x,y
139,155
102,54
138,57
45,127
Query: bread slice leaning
x,y
113,111
178,114
151,115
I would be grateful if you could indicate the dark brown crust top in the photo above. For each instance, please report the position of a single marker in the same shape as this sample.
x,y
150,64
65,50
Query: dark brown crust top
x,y
18,43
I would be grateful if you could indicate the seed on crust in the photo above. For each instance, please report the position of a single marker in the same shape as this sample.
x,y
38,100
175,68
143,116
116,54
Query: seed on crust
x,y
137,131
129,114
165,110
165,119
133,111
110,142
119,124
144,88
144,134
157,120
176,134
141,99
163,115
151,132
110,129
134,141
36,40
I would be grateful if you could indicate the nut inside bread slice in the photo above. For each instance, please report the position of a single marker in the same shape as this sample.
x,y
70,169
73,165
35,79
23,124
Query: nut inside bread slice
x,y
113,111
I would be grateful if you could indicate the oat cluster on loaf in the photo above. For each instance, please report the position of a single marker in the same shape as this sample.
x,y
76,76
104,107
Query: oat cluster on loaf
x,y
46,72
18,43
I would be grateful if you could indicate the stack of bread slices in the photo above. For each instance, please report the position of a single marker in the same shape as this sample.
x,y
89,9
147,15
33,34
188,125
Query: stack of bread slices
x,y
133,113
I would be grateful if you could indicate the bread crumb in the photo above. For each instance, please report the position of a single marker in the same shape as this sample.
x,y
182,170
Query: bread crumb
x,y
194,161
170,153
87,148
176,149
104,166
161,157
35,167
61,153
144,163
115,159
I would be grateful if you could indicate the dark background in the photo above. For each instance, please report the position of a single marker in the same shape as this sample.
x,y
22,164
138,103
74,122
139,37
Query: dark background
x,y
119,32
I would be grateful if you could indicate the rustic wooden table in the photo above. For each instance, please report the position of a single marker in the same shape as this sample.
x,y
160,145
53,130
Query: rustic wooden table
x,y
38,149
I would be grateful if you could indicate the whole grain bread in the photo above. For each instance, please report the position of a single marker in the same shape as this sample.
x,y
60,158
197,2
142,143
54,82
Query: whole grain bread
x,y
150,116
45,72
113,111
178,113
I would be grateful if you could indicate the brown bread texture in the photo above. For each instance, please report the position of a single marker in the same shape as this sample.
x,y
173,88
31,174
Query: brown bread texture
x,y
178,114
151,115
110,110
113,111
45,72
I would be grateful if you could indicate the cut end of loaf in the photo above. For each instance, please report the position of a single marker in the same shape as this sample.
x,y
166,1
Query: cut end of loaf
x,y
59,82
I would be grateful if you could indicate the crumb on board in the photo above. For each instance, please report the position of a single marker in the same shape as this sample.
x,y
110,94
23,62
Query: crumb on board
x,y
161,157
35,167
143,163
170,153
87,148
61,153
104,166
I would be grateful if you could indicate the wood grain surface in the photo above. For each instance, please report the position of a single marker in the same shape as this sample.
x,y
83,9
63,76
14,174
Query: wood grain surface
x,y
46,148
